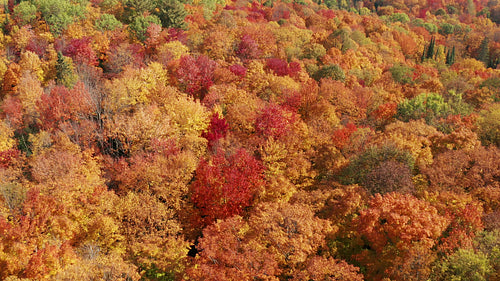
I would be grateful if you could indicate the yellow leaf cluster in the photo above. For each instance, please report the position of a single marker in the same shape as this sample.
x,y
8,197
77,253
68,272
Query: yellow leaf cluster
x,y
30,62
413,137
136,86
191,119
29,92
173,50
219,44
6,136
280,84
136,130
257,77
21,36
3,69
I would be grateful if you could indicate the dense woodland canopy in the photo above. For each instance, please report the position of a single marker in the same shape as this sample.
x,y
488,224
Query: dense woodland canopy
x,y
239,140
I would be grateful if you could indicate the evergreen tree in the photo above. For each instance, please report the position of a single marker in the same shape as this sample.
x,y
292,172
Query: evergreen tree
x,y
484,51
171,13
65,74
450,56
424,53
430,50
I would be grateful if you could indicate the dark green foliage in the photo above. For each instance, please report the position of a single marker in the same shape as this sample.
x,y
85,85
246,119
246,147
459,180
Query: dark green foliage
x,y
23,142
154,273
314,51
451,9
484,52
446,28
140,25
371,164
329,3
429,51
440,12
136,8
450,56
484,12
65,73
331,71
171,14
402,73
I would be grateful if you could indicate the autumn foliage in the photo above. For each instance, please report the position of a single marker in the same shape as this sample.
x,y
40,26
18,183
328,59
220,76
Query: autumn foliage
x,y
225,185
249,140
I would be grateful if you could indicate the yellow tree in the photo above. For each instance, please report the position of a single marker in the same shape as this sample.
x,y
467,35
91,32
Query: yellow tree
x,y
414,137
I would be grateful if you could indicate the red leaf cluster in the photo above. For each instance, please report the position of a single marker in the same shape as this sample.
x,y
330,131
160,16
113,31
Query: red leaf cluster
x,y
225,185
196,74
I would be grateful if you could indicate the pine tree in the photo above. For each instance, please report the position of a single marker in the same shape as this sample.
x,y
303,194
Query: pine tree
x,y
171,14
450,56
484,51
65,74
430,50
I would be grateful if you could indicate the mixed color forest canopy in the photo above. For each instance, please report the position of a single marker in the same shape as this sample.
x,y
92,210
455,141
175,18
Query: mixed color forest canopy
x,y
250,140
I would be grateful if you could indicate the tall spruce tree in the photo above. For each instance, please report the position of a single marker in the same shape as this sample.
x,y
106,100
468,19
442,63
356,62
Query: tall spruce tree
x,y
450,56
484,52
430,50
65,73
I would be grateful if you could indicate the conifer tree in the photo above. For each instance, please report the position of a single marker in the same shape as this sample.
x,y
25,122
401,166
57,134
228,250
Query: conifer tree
x,y
430,50
171,14
484,51
450,56
65,74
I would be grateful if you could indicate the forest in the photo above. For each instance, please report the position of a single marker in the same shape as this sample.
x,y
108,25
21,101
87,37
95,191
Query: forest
x,y
250,140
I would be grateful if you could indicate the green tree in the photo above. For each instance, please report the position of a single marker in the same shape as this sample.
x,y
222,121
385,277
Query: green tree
x,y
140,25
65,72
171,13
332,71
430,50
489,126
362,167
402,73
25,13
463,265
136,8
399,17
446,28
60,13
107,22
484,52
450,56
431,107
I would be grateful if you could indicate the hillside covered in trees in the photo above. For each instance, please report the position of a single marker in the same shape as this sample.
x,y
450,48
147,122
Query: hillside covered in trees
x,y
239,140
